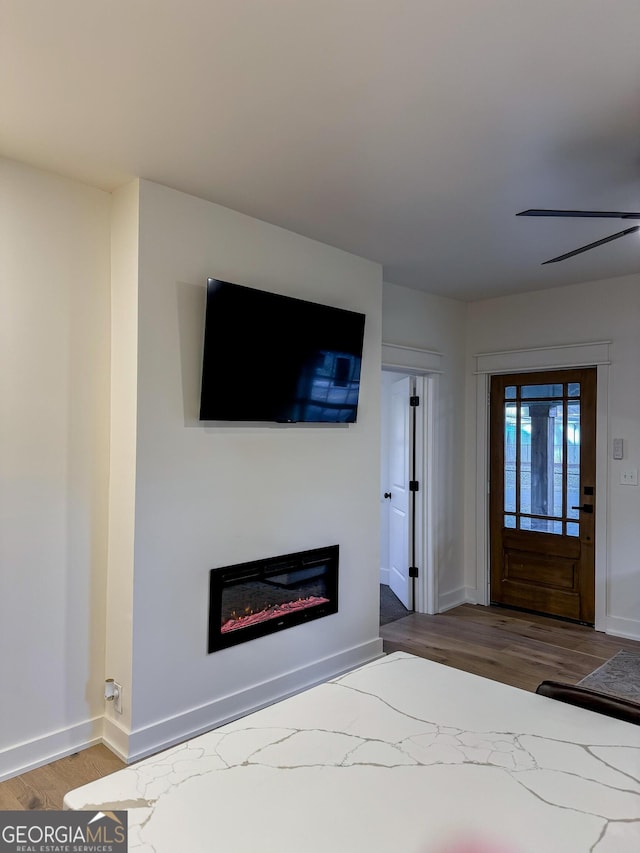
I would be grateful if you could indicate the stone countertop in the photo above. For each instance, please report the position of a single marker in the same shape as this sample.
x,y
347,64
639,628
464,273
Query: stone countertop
x,y
402,754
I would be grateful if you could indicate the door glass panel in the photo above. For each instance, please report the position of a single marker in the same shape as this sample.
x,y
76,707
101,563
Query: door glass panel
x,y
555,460
510,449
524,473
573,459
573,529
542,457
527,392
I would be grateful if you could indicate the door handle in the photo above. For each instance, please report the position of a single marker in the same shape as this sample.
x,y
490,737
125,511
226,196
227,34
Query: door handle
x,y
584,508
387,494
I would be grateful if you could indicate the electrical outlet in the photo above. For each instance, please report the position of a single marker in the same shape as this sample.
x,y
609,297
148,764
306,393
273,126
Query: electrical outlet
x,y
117,698
629,477
113,694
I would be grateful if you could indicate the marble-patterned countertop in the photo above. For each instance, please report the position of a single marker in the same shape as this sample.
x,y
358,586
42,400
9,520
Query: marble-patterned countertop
x,y
403,755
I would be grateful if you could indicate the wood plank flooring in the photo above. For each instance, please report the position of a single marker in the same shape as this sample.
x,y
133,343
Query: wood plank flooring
x,y
45,787
515,648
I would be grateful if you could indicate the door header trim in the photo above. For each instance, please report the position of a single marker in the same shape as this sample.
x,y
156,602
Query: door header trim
x,y
543,358
412,360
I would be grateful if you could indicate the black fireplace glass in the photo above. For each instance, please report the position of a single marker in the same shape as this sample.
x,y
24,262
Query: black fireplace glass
x,y
249,600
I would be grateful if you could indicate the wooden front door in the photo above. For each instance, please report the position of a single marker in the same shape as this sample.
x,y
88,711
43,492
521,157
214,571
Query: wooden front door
x,y
543,492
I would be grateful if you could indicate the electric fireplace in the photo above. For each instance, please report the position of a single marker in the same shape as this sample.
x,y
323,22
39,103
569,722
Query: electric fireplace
x,y
250,600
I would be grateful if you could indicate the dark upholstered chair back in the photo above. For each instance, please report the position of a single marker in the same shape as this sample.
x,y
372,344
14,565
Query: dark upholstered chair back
x,y
582,697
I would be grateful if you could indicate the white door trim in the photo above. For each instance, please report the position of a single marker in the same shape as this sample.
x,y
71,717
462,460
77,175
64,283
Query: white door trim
x,y
411,360
543,358
426,598
523,361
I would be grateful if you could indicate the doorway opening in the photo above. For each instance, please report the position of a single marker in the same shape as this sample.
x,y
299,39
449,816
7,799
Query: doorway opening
x,y
407,574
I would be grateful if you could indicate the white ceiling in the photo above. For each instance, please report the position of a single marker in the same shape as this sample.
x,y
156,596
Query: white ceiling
x,y
406,131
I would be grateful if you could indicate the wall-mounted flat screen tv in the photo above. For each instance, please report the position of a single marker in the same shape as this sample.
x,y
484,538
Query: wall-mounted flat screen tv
x,y
269,357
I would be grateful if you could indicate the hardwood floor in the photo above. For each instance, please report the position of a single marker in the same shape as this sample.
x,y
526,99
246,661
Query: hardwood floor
x,y
516,648
45,787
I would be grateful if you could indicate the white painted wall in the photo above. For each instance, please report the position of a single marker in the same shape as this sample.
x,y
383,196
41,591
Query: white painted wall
x,y
209,496
417,319
595,311
54,444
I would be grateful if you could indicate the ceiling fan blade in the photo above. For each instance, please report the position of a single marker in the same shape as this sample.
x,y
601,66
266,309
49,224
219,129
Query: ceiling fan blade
x,y
583,214
593,245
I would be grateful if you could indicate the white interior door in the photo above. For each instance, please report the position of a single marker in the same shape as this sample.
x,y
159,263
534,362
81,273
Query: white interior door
x,y
400,522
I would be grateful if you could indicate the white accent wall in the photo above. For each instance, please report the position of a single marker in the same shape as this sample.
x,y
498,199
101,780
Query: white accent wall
x,y
54,444
595,311
213,495
415,319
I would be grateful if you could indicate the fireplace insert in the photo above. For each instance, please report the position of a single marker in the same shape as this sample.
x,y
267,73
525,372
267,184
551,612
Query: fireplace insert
x,y
252,599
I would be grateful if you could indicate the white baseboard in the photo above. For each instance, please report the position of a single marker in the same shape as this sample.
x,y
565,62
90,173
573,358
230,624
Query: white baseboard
x,y
384,576
618,626
115,737
131,746
471,595
449,600
22,757
173,730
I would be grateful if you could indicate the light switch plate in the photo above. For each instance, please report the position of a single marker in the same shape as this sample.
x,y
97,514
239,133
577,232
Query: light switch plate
x,y
618,448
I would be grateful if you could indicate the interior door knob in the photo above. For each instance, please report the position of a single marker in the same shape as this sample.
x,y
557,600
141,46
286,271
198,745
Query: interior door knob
x,y
387,494
584,507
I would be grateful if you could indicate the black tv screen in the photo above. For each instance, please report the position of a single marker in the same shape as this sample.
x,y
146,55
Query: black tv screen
x,y
269,357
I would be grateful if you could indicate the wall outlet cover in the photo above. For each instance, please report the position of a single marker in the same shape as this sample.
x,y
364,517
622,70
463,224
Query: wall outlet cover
x,y
629,477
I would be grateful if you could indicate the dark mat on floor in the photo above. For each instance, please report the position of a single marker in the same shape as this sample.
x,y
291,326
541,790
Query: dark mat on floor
x,y
391,608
